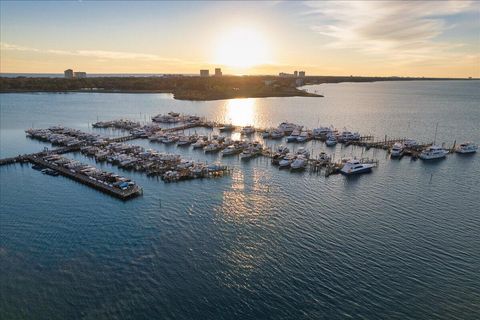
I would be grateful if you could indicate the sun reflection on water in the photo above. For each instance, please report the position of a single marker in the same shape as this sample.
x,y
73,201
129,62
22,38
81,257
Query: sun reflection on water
x,y
241,112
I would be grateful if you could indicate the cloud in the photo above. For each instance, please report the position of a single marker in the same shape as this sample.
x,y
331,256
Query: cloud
x,y
396,30
99,54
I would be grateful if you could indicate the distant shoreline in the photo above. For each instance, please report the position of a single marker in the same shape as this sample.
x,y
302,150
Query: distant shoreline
x,y
189,88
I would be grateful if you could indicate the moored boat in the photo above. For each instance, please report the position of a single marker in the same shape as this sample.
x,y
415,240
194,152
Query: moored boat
x,y
467,147
354,166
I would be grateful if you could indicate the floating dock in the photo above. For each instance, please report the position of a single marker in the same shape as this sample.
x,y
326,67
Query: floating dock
x,y
113,191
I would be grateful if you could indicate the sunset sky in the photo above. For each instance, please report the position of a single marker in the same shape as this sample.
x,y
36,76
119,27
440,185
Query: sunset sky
x,y
437,39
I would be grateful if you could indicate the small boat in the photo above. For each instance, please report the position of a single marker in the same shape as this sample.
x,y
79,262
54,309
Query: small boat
x,y
184,141
467,147
303,137
286,161
170,139
248,130
331,141
354,166
409,143
199,144
397,150
212,147
293,136
303,152
276,134
324,157
266,134
37,167
299,163
232,149
227,127
433,152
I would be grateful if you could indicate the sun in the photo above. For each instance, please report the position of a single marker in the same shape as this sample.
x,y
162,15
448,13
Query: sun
x,y
241,48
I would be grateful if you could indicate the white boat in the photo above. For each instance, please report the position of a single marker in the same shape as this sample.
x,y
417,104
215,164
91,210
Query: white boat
x,y
248,130
299,163
397,150
199,144
293,136
303,152
286,161
349,136
467,147
170,139
409,143
287,127
276,134
433,152
212,147
233,149
227,127
331,141
184,141
354,166
303,137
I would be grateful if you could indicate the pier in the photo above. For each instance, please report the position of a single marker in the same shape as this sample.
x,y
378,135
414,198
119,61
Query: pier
x,y
71,174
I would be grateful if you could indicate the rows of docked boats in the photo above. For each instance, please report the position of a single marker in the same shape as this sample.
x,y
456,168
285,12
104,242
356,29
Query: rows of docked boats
x,y
432,152
124,124
297,133
175,117
166,165
106,178
58,135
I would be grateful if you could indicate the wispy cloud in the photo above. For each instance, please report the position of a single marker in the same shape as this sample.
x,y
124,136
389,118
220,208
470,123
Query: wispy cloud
x,y
396,30
98,54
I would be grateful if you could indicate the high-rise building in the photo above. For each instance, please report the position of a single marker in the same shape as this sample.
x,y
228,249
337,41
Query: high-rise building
x,y
204,73
295,73
80,75
68,74
301,74
218,72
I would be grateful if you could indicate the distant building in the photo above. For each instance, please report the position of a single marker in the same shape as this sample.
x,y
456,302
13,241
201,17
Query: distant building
x,y
218,72
80,75
68,74
204,73
285,75
298,82
295,73
301,74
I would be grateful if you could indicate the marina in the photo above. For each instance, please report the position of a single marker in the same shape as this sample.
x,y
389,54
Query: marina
x,y
227,234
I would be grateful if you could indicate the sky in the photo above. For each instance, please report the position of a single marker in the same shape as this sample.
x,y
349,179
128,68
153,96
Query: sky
x,y
368,38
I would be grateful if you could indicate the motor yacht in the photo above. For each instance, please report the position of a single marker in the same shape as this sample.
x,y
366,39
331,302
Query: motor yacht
x,y
232,149
354,166
303,152
331,141
286,161
248,130
212,147
299,163
467,147
303,137
397,150
433,152
227,127
293,136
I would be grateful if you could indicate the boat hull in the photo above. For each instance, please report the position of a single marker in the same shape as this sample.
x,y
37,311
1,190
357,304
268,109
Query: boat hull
x,y
359,171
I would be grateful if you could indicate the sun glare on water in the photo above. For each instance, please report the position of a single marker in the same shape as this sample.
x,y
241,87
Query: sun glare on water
x,y
241,48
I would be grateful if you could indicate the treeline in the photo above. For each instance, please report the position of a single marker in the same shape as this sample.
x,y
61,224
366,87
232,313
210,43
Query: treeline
x,y
170,84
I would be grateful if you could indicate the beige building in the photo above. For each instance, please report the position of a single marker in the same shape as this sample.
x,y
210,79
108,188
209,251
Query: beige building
x,y
204,73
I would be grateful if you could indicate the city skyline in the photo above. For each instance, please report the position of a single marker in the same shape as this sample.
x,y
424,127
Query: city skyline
x,y
378,38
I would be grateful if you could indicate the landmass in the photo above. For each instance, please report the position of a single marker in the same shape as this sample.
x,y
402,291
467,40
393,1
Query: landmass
x,y
187,87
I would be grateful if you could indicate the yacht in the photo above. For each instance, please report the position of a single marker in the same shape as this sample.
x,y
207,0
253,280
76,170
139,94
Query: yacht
x,y
212,147
293,136
184,141
322,132
467,147
248,130
303,137
276,134
227,127
349,136
287,127
170,139
233,149
286,161
409,143
433,152
299,163
199,144
331,141
303,152
397,150
354,166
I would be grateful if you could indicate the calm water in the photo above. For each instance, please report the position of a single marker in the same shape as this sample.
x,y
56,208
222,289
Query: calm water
x,y
400,243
